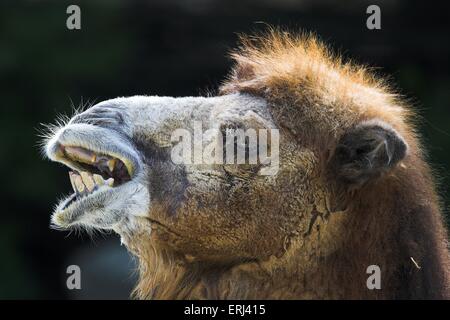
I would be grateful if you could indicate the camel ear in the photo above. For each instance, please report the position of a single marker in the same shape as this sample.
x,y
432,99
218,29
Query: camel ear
x,y
366,151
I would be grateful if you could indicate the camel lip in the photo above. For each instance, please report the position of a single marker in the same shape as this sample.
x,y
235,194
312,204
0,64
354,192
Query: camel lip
x,y
67,211
103,163
78,145
91,184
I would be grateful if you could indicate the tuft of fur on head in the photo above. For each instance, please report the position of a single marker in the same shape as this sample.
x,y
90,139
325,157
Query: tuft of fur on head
x,y
300,59
299,67
318,97
353,188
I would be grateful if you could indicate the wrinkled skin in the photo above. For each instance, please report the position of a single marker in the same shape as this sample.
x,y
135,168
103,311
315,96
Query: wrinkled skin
x,y
351,190
208,211
255,228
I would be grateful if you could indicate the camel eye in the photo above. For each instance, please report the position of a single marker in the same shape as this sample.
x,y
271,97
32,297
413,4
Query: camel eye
x,y
239,145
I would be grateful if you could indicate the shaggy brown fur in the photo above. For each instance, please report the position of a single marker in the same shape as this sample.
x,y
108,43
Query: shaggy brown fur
x,y
393,221
401,212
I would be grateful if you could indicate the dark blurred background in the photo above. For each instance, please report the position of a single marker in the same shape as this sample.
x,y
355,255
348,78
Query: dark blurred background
x,y
167,47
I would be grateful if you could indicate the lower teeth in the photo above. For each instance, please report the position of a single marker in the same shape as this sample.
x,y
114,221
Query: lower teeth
x,y
85,182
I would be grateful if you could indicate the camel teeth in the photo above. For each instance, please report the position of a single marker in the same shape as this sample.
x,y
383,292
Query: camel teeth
x,y
83,183
88,180
111,164
98,179
72,180
80,154
110,182
79,185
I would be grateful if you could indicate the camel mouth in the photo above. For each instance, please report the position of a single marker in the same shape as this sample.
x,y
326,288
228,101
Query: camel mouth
x,y
99,166
105,169
95,177
95,171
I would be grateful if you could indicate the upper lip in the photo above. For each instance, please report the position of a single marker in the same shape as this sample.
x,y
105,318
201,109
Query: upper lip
x,y
81,145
